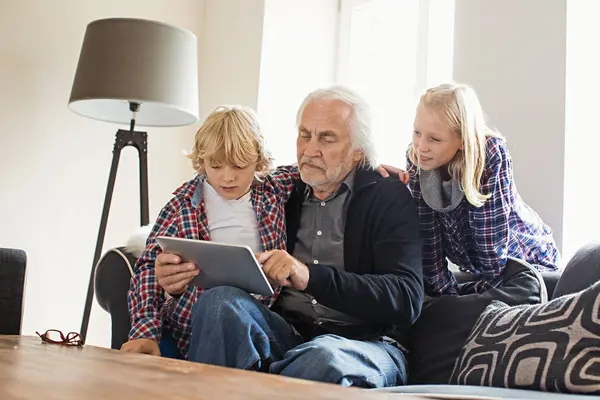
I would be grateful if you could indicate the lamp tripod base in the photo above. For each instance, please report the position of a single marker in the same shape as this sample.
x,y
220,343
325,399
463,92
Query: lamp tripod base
x,y
123,138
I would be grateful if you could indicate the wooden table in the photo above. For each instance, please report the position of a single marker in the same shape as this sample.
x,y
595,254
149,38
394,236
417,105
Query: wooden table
x,y
30,369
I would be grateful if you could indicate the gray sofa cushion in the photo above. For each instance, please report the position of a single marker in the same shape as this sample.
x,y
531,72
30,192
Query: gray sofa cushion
x,y
551,347
478,393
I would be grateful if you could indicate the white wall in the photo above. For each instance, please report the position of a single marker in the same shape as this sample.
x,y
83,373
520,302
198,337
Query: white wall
x,y
54,164
298,56
439,35
231,53
514,53
582,216
267,54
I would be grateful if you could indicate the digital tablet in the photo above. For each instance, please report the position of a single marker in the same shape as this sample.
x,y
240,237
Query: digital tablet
x,y
220,264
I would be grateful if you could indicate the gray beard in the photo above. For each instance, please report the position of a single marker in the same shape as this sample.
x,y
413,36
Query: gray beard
x,y
326,182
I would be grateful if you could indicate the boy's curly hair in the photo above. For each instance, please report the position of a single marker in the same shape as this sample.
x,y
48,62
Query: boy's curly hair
x,y
230,135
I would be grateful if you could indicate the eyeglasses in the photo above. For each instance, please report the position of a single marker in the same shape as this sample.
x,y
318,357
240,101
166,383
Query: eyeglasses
x,y
55,336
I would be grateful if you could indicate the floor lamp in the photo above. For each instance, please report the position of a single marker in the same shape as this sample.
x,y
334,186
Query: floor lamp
x,y
140,73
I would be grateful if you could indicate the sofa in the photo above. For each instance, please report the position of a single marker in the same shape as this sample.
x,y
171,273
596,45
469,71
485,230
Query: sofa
x,y
13,265
112,279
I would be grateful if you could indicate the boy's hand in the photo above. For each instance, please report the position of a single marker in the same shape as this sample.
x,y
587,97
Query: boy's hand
x,y
173,275
283,269
143,346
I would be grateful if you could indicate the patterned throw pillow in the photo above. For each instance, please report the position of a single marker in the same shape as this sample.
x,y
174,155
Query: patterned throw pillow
x,y
553,347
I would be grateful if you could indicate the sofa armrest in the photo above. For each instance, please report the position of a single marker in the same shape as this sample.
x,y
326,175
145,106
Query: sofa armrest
x,y
111,283
13,264
550,279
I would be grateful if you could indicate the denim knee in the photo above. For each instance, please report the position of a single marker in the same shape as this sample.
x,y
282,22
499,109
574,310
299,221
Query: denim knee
x,y
212,300
233,329
314,360
334,359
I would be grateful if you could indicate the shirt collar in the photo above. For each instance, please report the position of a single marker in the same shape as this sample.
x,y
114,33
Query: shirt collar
x,y
188,189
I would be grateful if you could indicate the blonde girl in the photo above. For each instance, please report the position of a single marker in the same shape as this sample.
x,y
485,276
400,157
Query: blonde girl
x,y
461,176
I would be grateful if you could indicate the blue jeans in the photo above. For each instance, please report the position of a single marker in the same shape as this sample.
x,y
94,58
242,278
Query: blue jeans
x,y
230,328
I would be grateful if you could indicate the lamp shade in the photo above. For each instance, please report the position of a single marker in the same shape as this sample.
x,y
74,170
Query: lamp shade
x,y
125,60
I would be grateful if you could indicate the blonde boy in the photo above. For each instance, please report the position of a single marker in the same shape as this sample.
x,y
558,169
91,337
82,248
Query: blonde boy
x,y
233,199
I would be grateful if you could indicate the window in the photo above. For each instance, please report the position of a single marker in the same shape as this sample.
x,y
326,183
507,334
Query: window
x,y
581,217
390,51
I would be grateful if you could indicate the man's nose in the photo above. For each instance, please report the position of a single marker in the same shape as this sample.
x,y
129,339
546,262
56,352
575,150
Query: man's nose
x,y
313,148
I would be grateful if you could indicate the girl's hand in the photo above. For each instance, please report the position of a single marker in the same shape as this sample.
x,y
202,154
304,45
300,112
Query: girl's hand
x,y
386,170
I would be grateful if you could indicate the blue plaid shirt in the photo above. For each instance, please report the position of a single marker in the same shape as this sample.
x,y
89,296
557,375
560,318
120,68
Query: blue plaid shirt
x,y
480,239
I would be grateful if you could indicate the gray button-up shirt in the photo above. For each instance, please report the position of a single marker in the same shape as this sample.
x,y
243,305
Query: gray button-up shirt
x,y
320,240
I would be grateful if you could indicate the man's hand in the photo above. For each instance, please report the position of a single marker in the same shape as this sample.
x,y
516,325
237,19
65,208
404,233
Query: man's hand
x,y
386,170
144,346
173,275
283,269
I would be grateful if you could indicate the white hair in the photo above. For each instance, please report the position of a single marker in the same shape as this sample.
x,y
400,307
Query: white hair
x,y
360,119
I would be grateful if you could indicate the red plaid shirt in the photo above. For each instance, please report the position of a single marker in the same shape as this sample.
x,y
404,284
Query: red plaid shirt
x,y
185,216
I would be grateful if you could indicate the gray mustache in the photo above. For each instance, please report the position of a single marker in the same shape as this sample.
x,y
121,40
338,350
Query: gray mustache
x,y
310,161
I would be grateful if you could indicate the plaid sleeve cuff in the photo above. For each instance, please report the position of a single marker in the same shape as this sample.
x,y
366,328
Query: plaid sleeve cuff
x,y
147,328
268,301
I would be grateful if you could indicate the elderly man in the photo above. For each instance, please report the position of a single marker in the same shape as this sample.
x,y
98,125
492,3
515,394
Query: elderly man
x,y
351,274
352,269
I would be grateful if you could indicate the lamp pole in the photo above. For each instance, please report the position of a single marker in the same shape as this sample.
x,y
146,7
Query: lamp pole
x,y
123,138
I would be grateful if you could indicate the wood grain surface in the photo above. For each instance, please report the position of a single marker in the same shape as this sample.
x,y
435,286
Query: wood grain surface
x,y
31,369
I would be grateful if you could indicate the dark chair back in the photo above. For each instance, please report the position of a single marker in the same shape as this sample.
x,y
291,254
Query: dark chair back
x,y
13,264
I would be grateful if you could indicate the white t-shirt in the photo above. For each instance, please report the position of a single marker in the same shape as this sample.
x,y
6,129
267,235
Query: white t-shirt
x,y
231,221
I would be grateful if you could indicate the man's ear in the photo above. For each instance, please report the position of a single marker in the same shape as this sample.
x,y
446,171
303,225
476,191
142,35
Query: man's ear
x,y
358,155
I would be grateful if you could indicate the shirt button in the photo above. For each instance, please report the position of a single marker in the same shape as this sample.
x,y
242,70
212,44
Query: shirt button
x,y
319,233
316,262
323,204
314,301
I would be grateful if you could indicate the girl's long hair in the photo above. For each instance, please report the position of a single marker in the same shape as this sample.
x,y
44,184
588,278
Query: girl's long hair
x,y
458,106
